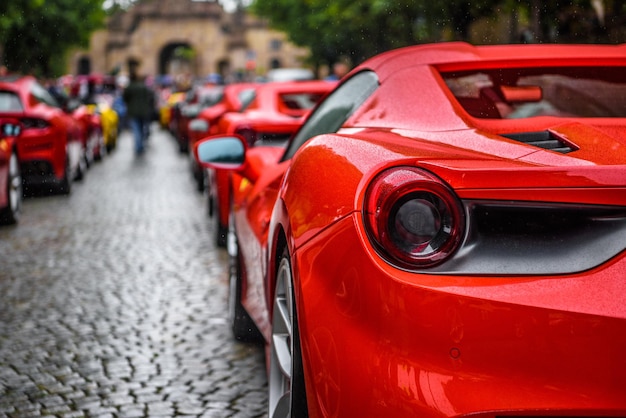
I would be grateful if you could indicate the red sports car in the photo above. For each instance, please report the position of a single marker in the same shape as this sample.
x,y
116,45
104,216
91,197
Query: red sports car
x,y
50,147
10,174
271,118
234,98
445,236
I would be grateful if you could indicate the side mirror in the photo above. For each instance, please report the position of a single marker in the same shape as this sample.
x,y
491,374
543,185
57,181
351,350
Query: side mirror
x,y
226,152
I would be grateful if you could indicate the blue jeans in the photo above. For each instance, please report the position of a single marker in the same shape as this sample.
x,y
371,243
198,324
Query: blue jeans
x,y
140,128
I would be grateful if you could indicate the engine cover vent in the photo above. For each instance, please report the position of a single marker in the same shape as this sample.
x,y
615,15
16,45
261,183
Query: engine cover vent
x,y
542,139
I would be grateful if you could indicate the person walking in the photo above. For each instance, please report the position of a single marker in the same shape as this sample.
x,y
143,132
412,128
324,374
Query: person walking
x,y
139,101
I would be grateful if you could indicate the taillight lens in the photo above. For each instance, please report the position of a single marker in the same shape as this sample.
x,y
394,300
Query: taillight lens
x,y
413,218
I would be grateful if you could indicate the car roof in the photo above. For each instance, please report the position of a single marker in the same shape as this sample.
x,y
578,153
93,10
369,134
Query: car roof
x,y
447,53
414,96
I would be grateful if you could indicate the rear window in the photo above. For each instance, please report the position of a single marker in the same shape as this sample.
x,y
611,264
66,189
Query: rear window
x,y
297,104
516,93
10,102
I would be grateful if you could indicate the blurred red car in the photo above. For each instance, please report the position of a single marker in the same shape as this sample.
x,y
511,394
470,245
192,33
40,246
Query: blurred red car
x,y
50,147
234,98
272,116
196,99
10,174
445,236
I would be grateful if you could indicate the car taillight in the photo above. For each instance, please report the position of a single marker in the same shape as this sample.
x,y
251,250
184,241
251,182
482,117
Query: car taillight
x,y
248,134
413,218
34,123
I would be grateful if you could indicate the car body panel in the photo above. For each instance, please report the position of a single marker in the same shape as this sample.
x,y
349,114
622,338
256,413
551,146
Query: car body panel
x,y
524,318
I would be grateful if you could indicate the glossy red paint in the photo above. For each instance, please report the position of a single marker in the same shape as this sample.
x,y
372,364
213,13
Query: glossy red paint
x,y
51,144
525,318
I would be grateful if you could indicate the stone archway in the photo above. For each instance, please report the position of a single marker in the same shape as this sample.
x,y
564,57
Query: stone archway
x,y
174,59
84,65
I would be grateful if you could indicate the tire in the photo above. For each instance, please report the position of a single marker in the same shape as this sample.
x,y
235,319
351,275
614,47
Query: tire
x,y
221,234
65,185
11,213
221,231
244,329
287,391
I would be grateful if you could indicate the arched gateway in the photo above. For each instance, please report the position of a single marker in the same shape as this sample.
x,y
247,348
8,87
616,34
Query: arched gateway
x,y
192,36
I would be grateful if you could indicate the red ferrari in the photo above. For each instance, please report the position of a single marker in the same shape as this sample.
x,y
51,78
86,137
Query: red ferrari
x,y
445,236
234,98
10,173
271,118
50,146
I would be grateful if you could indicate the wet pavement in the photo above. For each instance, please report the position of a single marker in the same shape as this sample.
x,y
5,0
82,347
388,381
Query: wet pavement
x,y
113,300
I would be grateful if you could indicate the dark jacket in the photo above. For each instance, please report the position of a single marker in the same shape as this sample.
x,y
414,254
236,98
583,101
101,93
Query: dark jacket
x,y
139,100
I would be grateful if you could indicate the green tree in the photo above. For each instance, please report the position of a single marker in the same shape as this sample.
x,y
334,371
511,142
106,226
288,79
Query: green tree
x,y
359,29
36,35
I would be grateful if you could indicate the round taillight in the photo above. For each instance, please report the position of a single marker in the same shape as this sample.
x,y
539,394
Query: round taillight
x,y
413,218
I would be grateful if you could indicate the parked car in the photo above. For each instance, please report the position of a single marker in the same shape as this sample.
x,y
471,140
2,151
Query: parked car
x,y
444,236
100,104
51,145
10,174
196,99
234,98
289,74
91,133
272,117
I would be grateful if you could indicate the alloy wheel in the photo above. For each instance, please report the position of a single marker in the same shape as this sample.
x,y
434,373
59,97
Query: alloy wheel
x,y
280,376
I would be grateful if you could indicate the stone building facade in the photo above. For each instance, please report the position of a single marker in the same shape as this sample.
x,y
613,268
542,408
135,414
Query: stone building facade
x,y
155,31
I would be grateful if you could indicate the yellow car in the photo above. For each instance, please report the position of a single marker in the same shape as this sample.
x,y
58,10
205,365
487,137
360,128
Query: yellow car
x,y
110,124
165,111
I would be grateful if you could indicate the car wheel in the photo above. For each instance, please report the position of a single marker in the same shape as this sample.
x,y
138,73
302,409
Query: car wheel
x,y
11,213
244,329
287,393
199,177
221,231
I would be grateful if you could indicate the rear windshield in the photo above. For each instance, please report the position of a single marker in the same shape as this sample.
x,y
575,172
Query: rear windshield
x,y
297,104
515,93
10,102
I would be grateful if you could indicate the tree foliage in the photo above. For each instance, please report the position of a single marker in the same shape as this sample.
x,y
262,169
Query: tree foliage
x,y
358,29
36,35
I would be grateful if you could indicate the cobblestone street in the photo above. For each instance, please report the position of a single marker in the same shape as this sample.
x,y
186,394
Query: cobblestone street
x,y
113,300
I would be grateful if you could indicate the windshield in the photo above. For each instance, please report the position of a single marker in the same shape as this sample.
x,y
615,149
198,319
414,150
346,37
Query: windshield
x,y
10,102
515,93
335,109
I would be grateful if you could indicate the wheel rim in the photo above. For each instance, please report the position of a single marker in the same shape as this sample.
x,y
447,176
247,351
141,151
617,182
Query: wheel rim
x,y
15,185
280,376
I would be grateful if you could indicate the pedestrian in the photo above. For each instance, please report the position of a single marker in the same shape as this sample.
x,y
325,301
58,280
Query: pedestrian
x,y
340,69
139,101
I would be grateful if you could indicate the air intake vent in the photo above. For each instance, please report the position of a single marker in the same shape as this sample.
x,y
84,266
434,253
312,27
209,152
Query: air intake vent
x,y
542,139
